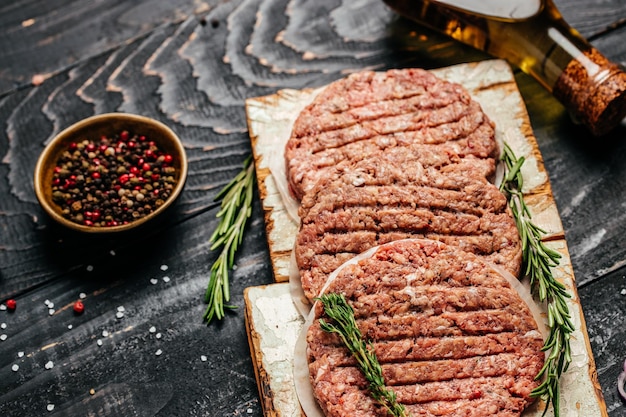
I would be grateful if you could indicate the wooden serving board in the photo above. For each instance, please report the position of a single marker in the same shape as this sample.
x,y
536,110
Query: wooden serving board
x,y
272,319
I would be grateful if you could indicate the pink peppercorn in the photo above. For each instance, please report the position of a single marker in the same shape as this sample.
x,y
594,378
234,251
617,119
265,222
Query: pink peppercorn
x,y
79,307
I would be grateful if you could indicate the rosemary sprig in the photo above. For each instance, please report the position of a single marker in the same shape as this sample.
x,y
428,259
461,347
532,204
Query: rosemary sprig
x,y
236,208
337,308
538,260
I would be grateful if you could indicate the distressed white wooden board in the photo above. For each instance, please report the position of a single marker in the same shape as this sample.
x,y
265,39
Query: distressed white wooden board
x,y
273,325
493,85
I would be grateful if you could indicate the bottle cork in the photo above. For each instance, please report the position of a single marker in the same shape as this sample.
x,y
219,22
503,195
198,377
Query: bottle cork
x,y
593,89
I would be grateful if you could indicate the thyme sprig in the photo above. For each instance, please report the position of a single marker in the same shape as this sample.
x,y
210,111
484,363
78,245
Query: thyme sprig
x,y
343,323
538,260
235,209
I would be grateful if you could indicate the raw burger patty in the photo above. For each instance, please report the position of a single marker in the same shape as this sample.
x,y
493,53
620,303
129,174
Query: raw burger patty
x,y
451,334
392,196
369,112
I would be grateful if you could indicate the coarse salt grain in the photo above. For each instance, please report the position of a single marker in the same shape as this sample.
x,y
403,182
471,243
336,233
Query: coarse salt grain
x,y
249,411
89,268
15,367
154,281
623,292
69,326
152,329
112,253
158,352
203,358
121,308
164,267
49,365
119,315
158,335
50,407
51,311
3,337
3,307
166,279
20,354
82,295
99,342
105,333
3,326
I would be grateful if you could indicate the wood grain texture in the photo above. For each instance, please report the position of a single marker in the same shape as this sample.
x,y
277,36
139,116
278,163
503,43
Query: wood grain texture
x,y
191,64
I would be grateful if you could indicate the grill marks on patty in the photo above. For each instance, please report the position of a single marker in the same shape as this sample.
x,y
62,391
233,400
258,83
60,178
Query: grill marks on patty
x,y
385,125
376,115
315,271
384,198
452,336
410,373
431,349
368,112
385,176
431,155
367,88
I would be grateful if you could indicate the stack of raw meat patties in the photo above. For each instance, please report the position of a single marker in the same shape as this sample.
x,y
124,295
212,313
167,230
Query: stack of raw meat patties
x,y
380,157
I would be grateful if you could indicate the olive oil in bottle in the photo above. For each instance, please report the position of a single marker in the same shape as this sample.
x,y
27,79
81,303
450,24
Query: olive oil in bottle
x,y
533,35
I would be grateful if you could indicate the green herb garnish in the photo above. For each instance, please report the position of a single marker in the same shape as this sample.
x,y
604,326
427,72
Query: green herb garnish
x,y
538,260
337,308
236,208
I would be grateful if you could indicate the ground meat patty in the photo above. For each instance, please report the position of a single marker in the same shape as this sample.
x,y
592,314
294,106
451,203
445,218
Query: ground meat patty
x,y
392,196
452,336
369,112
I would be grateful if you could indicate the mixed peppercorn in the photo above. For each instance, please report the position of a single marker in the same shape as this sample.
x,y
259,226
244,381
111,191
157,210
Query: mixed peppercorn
x,y
113,181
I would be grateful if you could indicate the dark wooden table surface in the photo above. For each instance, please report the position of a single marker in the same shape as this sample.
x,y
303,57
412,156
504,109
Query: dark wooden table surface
x,y
191,64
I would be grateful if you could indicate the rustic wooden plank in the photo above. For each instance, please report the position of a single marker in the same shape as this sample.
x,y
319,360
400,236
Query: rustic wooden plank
x,y
592,20
42,38
606,323
192,64
128,377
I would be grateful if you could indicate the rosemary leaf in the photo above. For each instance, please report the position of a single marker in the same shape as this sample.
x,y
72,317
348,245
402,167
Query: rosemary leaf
x,y
538,262
343,323
235,209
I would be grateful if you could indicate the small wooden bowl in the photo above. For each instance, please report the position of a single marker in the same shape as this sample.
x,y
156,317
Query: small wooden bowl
x,y
93,128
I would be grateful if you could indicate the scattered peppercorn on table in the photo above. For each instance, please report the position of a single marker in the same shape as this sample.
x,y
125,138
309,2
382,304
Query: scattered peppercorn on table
x,y
112,325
